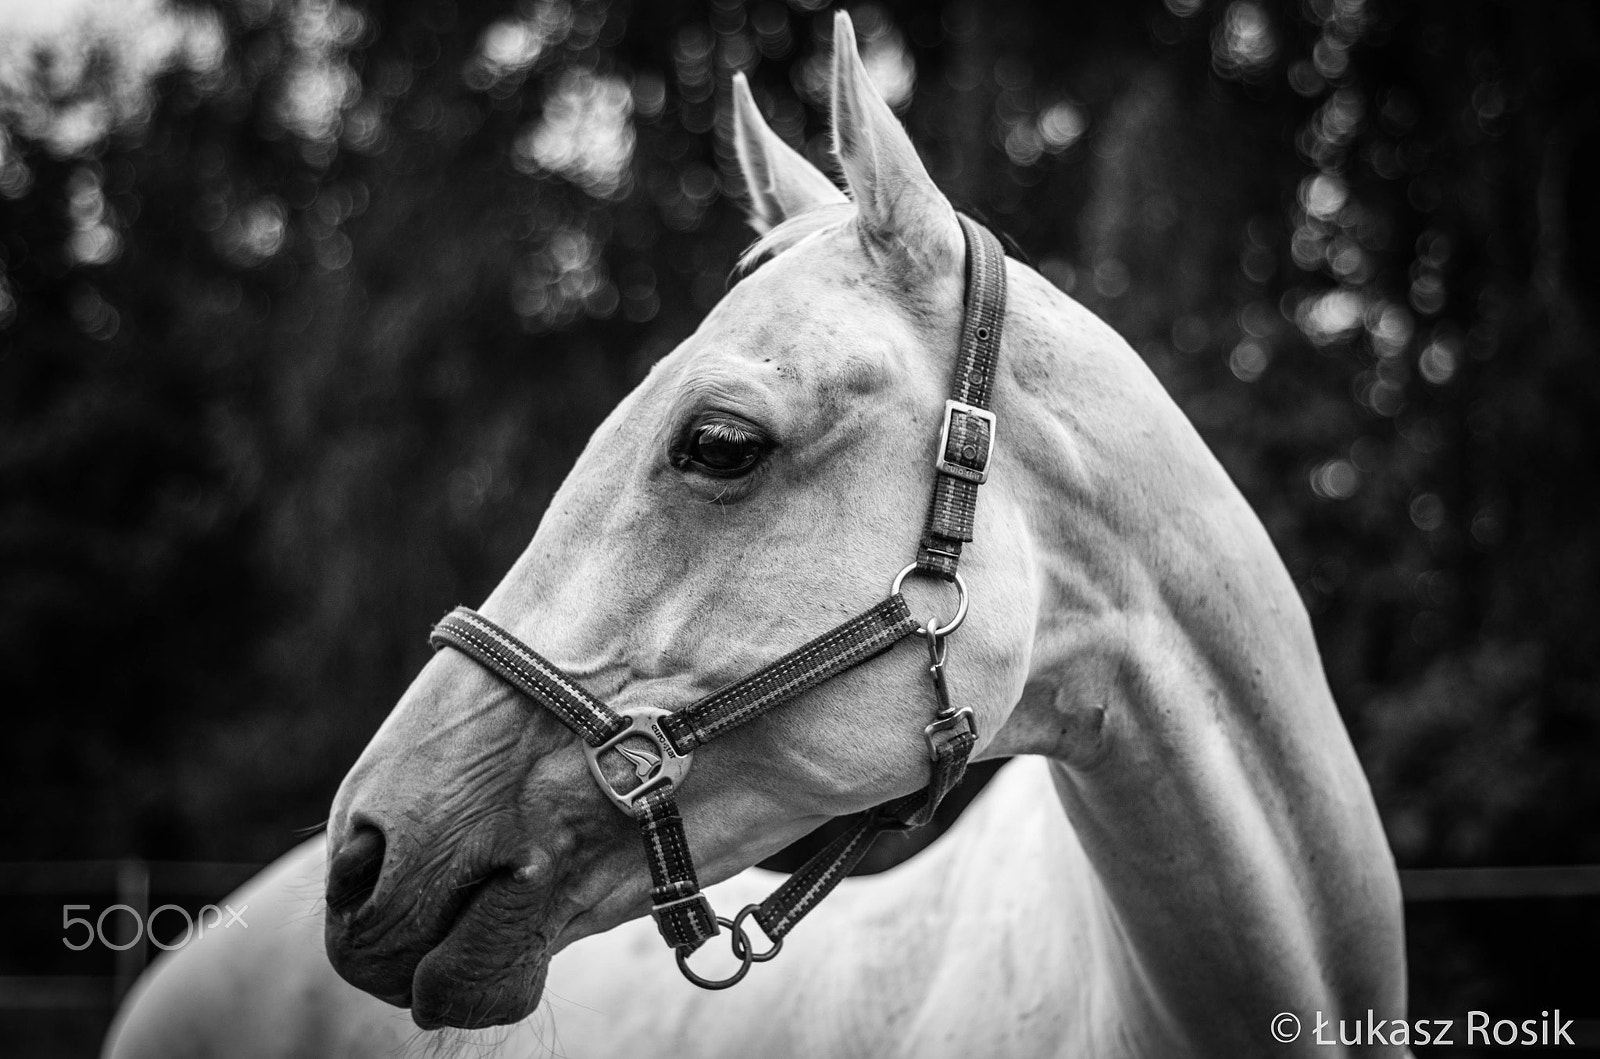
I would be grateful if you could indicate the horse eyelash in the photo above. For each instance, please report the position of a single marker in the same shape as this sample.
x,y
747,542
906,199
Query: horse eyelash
x,y
721,430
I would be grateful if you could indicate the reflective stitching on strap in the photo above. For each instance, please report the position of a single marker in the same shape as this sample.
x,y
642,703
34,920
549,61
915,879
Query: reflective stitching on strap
x,y
681,911
817,877
530,673
983,316
863,637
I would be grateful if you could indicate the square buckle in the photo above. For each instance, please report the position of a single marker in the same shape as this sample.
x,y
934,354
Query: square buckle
x,y
661,913
973,468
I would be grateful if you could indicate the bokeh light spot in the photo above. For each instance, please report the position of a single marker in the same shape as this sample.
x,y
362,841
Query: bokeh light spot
x,y
1335,480
585,133
1242,45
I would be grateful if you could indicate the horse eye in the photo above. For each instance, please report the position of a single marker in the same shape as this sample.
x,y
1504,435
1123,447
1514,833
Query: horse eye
x,y
721,448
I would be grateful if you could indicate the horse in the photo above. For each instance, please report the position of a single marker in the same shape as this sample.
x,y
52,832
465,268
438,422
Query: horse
x,y
1184,858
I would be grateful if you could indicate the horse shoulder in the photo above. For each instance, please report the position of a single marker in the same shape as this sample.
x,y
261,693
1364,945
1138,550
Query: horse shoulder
x,y
262,991
1024,955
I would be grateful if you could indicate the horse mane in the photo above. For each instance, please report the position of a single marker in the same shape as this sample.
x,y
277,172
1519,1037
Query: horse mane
x,y
790,233
818,219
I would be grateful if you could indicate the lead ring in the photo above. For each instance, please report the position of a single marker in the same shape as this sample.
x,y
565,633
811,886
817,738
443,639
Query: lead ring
x,y
961,604
736,977
741,940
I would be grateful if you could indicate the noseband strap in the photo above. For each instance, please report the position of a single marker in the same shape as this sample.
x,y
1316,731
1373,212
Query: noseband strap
x,y
658,745
529,672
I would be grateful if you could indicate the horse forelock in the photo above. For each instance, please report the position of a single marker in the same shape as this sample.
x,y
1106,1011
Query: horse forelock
x,y
789,234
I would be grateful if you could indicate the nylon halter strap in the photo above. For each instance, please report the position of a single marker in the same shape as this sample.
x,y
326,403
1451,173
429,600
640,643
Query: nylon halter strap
x,y
658,745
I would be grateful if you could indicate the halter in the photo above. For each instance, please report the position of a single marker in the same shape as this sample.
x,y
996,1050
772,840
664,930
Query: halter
x,y
659,744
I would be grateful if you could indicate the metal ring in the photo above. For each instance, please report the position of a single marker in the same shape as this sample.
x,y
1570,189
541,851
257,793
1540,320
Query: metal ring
x,y
741,940
720,983
961,604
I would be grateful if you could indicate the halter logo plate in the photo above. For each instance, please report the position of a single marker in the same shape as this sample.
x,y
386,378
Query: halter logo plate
x,y
644,763
660,766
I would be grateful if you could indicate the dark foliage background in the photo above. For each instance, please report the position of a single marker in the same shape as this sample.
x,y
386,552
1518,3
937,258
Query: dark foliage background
x,y
302,321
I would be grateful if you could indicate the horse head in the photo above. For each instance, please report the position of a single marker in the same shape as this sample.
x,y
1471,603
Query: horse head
x,y
765,481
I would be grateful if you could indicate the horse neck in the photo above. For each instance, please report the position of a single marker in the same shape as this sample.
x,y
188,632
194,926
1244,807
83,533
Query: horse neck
x,y
1177,687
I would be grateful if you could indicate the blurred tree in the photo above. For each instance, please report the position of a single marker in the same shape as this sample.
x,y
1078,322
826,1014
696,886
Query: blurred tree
x,y
306,306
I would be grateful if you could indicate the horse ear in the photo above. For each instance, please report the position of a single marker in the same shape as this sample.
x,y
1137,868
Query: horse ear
x,y
897,200
781,183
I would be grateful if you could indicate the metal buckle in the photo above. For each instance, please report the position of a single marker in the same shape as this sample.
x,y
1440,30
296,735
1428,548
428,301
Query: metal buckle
x,y
944,723
657,912
979,473
665,768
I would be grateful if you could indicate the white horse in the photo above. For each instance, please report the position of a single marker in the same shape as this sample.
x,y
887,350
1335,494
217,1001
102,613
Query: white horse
x,y
1187,850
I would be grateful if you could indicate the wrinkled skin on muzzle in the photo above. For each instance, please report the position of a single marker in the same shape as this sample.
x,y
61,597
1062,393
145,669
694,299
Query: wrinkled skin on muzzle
x,y
440,893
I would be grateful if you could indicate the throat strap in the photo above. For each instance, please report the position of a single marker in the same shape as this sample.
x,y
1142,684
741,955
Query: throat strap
x,y
803,890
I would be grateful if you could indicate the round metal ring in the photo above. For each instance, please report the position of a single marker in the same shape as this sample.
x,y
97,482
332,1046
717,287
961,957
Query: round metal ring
x,y
741,940
961,605
745,959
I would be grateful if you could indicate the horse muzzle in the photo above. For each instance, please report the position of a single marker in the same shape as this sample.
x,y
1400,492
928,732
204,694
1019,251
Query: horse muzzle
x,y
455,945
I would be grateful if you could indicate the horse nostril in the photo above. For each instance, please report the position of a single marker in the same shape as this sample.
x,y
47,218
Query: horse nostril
x,y
353,872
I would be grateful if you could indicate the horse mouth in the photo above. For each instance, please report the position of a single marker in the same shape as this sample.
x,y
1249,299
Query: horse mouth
x,y
485,969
